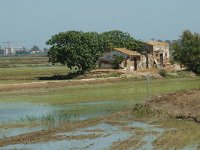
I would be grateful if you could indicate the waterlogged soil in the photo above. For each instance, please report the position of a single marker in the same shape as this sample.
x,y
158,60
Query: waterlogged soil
x,y
10,112
101,133
121,131
9,132
20,118
98,129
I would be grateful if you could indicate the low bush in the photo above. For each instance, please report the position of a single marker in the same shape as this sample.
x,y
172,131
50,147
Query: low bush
x,y
162,73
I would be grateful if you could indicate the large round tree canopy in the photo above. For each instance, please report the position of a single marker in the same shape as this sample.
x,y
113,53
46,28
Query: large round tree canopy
x,y
82,49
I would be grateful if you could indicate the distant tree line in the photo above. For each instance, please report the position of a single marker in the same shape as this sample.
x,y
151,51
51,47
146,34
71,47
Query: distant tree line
x,y
81,50
33,50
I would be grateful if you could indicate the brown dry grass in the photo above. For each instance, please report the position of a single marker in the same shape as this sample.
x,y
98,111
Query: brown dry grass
x,y
181,105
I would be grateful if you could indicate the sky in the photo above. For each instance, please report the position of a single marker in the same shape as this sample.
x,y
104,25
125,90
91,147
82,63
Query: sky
x,y
33,22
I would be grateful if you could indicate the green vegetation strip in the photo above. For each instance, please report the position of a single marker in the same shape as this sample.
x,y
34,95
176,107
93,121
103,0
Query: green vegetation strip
x,y
15,75
128,90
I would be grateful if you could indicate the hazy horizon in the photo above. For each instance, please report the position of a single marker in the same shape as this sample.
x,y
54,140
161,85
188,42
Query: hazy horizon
x,y
35,21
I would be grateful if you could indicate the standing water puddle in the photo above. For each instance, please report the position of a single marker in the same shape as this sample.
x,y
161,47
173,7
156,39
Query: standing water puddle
x,y
10,112
16,113
105,136
4,133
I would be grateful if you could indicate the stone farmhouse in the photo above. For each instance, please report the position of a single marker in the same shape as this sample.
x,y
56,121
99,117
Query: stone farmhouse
x,y
155,54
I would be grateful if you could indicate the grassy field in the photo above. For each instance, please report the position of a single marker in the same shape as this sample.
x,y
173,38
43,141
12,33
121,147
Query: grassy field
x,y
24,74
26,60
27,69
125,90
67,100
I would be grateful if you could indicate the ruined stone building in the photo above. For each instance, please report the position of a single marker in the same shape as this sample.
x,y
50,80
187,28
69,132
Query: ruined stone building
x,y
132,59
155,54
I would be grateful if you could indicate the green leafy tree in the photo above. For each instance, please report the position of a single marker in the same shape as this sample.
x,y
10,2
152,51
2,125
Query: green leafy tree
x,y
82,49
117,61
35,48
76,49
186,50
121,39
23,52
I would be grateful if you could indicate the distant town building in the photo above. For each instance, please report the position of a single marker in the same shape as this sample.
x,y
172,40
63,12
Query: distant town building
x,y
12,50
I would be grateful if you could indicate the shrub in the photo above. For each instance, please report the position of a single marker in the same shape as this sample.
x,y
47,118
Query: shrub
x,y
118,60
162,72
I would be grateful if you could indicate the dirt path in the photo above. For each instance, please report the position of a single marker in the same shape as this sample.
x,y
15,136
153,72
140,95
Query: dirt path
x,y
53,84
181,105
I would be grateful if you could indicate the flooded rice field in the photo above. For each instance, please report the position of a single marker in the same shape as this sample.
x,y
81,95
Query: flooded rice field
x,y
10,112
19,113
103,137
25,120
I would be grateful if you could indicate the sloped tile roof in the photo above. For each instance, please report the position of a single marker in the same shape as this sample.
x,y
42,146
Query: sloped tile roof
x,y
127,51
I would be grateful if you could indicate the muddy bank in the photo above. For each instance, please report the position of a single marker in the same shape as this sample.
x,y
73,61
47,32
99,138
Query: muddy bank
x,y
180,105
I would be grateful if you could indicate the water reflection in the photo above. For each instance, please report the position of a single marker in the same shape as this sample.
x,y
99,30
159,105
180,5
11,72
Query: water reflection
x,y
107,135
16,113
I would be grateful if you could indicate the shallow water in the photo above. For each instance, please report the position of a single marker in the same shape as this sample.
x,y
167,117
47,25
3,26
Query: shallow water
x,y
10,112
106,135
4,133
14,113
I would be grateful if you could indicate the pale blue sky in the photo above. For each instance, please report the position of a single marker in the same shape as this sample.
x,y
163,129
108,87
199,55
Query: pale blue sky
x,y
35,21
